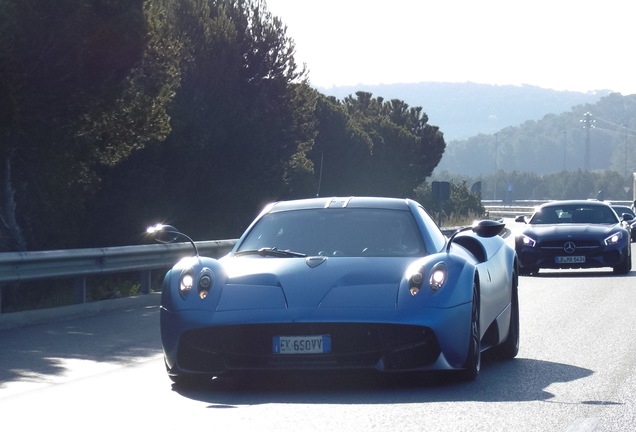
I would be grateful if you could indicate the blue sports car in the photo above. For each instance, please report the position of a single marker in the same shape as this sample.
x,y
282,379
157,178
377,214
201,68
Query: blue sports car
x,y
353,283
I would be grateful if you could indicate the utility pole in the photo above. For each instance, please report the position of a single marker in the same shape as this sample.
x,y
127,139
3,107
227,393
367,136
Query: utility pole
x,y
625,172
494,196
588,124
565,143
565,140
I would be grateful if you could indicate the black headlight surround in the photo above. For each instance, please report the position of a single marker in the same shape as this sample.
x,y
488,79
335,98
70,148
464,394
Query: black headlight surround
x,y
205,282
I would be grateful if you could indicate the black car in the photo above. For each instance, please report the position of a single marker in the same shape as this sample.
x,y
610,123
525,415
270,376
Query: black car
x,y
574,234
621,211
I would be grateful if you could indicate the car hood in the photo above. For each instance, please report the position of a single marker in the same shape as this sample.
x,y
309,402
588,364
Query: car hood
x,y
312,282
580,231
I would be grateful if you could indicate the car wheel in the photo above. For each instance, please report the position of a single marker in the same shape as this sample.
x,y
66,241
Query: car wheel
x,y
473,360
527,271
510,347
626,266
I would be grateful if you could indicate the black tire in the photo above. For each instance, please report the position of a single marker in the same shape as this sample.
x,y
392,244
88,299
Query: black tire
x,y
510,347
473,360
626,266
527,271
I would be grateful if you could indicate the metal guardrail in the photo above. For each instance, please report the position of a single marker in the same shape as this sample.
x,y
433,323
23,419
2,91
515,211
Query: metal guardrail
x,y
78,264
81,263
508,212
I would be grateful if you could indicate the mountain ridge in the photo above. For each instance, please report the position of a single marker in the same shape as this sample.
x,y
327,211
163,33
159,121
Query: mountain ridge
x,y
464,110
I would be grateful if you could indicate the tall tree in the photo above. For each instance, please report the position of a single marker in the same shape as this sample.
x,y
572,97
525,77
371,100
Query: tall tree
x,y
341,152
375,147
237,134
82,88
405,148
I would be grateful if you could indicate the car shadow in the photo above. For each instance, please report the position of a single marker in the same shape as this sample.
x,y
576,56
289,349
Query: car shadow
x,y
578,273
520,379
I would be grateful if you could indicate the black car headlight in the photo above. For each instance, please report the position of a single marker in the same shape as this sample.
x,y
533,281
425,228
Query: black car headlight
x,y
614,239
204,282
437,277
415,281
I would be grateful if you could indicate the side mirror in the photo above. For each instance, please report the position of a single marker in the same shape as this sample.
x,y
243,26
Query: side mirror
x,y
521,218
483,228
627,217
163,233
168,234
488,228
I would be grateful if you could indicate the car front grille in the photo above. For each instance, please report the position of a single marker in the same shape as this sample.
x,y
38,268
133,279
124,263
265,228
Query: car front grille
x,y
353,345
557,247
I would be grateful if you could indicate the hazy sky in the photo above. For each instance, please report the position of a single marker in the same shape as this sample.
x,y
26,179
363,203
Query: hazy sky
x,y
579,45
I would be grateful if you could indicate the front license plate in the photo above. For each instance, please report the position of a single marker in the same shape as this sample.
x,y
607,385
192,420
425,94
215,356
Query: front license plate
x,y
319,344
570,259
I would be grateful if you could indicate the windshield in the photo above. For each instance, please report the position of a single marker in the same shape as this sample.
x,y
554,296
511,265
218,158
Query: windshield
x,y
583,214
337,232
623,209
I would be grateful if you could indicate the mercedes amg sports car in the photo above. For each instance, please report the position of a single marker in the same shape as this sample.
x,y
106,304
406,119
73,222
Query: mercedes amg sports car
x,y
352,283
574,234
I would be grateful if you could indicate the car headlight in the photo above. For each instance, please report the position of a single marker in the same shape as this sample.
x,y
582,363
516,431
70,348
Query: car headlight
x,y
527,241
185,284
204,283
437,277
415,280
614,238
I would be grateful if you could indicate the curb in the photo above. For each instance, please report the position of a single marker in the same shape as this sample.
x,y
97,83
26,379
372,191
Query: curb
x,y
41,316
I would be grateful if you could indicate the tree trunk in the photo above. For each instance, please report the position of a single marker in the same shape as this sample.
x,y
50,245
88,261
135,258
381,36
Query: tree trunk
x,y
8,210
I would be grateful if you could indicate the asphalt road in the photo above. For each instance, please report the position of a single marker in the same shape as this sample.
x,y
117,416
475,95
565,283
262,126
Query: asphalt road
x,y
575,372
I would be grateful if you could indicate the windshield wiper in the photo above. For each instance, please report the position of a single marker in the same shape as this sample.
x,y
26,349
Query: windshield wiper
x,y
270,251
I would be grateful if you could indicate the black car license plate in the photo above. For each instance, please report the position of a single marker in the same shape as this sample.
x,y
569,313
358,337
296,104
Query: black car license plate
x,y
570,259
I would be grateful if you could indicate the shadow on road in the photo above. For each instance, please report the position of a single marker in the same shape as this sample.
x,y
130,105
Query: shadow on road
x,y
40,353
578,274
516,380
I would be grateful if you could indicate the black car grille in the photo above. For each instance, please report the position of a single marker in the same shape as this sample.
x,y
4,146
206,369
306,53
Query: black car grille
x,y
244,347
582,247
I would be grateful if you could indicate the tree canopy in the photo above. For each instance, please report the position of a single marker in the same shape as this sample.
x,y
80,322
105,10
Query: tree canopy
x,y
115,114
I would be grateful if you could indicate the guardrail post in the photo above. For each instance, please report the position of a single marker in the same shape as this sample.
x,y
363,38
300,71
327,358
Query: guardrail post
x,y
146,281
80,290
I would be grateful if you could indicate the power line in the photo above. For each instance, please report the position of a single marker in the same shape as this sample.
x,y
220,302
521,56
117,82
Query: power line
x,y
615,132
622,126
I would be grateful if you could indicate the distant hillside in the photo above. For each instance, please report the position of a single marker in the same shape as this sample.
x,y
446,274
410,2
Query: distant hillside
x,y
554,143
463,110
